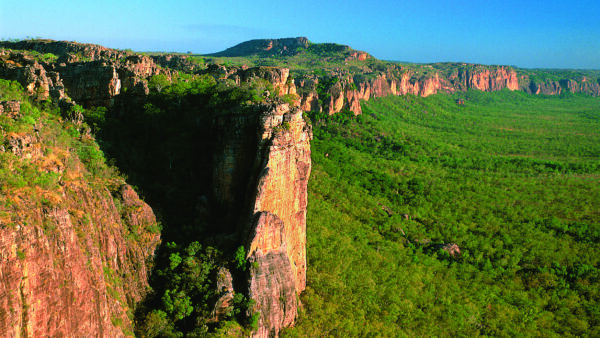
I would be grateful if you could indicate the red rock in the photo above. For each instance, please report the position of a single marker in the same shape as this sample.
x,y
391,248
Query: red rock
x,y
70,270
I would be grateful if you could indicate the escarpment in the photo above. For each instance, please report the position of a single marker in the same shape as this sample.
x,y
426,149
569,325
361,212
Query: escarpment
x,y
70,270
347,92
75,250
89,75
260,165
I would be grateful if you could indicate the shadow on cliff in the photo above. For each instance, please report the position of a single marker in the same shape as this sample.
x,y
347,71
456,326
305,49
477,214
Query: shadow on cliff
x,y
166,144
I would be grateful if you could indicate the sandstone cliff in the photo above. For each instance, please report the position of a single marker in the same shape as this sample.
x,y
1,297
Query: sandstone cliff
x,y
89,241
91,75
74,249
349,90
262,165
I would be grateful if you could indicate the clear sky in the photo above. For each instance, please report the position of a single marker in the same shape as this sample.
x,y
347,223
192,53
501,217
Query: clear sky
x,y
524,33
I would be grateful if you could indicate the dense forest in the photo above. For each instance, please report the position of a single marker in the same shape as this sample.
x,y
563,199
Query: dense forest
x,y
511,179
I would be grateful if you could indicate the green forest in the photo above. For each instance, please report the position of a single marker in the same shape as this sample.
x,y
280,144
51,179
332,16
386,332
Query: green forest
x,y
512,179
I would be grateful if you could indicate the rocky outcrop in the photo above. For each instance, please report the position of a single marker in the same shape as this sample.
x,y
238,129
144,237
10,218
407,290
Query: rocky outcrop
x,y
92,75
555,87
74,250
77,249
585,85
262,165
277,238
272,276
546,87
67,51
279,78
485,78
347,93
11,108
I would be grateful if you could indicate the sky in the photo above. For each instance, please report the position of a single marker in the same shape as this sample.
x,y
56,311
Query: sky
x,y
524,33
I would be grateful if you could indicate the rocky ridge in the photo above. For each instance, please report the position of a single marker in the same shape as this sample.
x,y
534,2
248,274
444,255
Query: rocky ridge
x,y
286,46
360,77
86,74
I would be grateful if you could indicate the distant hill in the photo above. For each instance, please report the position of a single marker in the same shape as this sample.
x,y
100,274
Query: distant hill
x,y
289,47
286,46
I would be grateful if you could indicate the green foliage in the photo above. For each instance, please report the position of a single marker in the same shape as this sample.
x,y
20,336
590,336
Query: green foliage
x,y
183,290
95,118
177,304
157,324
11,90
240,258
511,178
158,82
175,260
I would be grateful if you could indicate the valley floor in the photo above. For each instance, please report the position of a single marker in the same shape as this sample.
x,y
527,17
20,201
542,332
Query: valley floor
x,y
512,179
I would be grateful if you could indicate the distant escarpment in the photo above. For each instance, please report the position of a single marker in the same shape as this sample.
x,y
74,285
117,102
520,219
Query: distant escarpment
x,y
286,46
330,77
343,89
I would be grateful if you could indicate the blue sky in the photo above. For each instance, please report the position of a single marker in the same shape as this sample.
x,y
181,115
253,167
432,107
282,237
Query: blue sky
x,y
529,33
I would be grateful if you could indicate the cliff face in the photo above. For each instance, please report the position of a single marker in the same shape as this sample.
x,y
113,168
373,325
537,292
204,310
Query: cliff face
x,y
92,75
262,165
553,87
73,250
70,271
395,80
348,92
494,79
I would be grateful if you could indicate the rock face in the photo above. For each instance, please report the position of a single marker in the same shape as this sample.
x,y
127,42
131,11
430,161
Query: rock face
x,y
277,240
262,165
347,93
92,75
82,267
74,250
74,263
349,90
272,276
